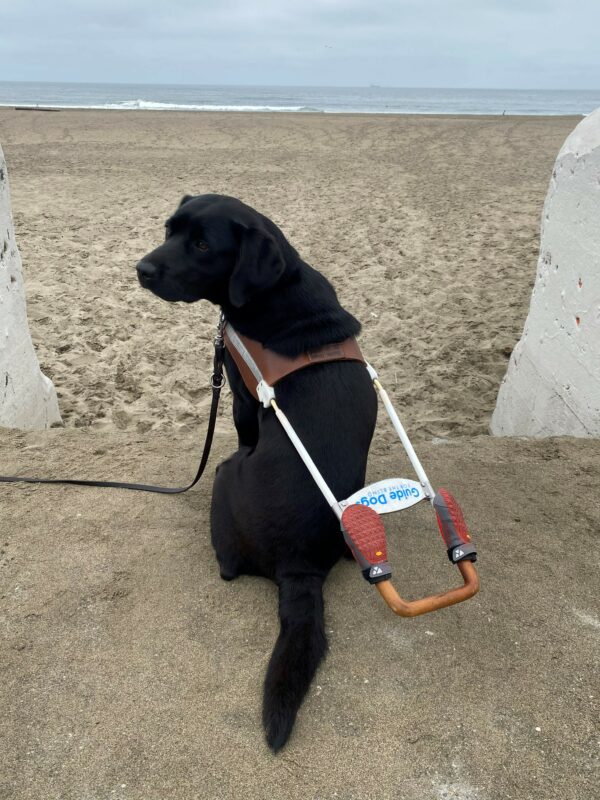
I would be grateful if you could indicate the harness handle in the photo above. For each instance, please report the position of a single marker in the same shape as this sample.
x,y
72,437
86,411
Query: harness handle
x,y
365,535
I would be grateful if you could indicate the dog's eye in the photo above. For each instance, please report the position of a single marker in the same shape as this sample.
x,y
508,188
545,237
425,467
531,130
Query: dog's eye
x,y
201,245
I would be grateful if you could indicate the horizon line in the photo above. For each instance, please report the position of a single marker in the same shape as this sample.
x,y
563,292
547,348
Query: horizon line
x,y
302,86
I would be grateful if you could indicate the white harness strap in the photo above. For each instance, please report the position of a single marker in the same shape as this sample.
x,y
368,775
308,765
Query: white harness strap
x,y
243,351
266,393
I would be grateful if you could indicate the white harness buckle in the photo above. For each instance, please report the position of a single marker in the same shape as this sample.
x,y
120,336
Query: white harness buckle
x,y
265,393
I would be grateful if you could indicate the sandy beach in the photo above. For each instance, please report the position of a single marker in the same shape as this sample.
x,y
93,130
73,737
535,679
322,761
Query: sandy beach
x,y
130,670
427,226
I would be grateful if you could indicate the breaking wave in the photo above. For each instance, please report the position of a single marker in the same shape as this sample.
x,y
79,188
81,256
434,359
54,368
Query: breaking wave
x,y
151,105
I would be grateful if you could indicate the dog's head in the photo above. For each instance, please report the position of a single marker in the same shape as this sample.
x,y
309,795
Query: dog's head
x,y
219,249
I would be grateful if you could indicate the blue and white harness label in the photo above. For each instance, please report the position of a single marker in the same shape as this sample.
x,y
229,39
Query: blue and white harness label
x,y
391,494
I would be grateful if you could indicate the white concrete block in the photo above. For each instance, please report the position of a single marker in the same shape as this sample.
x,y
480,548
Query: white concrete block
x,y
27,397
552,386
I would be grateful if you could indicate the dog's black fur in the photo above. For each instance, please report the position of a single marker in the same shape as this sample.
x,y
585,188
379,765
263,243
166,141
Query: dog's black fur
x,y
268,517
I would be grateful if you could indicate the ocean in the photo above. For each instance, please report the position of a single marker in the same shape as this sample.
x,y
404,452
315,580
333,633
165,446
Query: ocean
x,y
301,99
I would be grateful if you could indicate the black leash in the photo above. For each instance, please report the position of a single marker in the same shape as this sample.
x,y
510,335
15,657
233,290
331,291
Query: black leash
x,y
217,383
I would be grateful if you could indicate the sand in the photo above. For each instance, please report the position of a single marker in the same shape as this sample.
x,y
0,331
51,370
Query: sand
x,y
129,669
427,226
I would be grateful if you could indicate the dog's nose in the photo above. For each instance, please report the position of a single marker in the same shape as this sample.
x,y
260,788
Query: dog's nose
x,y
147,272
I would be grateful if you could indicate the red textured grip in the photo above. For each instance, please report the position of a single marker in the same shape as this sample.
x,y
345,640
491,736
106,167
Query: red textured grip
x,y
456,515
365,528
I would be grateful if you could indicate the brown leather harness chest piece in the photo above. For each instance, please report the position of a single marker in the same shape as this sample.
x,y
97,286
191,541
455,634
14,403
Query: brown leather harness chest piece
x,y
273,366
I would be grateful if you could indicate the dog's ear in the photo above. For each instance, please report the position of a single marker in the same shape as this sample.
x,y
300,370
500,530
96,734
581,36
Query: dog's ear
x,y
184,199
259,266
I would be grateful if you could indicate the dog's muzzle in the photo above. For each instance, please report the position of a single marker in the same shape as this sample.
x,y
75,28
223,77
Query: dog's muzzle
x,y
147,274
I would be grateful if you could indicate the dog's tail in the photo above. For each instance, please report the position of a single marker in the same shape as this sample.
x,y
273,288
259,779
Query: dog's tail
x,y
298,651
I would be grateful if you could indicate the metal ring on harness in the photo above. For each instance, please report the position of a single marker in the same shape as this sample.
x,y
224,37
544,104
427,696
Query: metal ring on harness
x,y
221,384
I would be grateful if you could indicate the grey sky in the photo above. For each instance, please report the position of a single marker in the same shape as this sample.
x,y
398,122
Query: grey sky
x,y
438,43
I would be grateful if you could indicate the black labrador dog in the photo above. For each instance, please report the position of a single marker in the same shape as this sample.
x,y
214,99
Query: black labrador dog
x,y
268,517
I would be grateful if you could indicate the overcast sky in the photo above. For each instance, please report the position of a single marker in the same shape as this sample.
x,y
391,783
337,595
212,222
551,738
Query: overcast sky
x,y
541,44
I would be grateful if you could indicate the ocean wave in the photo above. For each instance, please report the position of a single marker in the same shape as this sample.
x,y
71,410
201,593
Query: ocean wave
x,y
152,105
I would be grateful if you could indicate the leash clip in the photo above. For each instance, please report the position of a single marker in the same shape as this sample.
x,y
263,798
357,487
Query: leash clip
x,y
217,380
219,336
